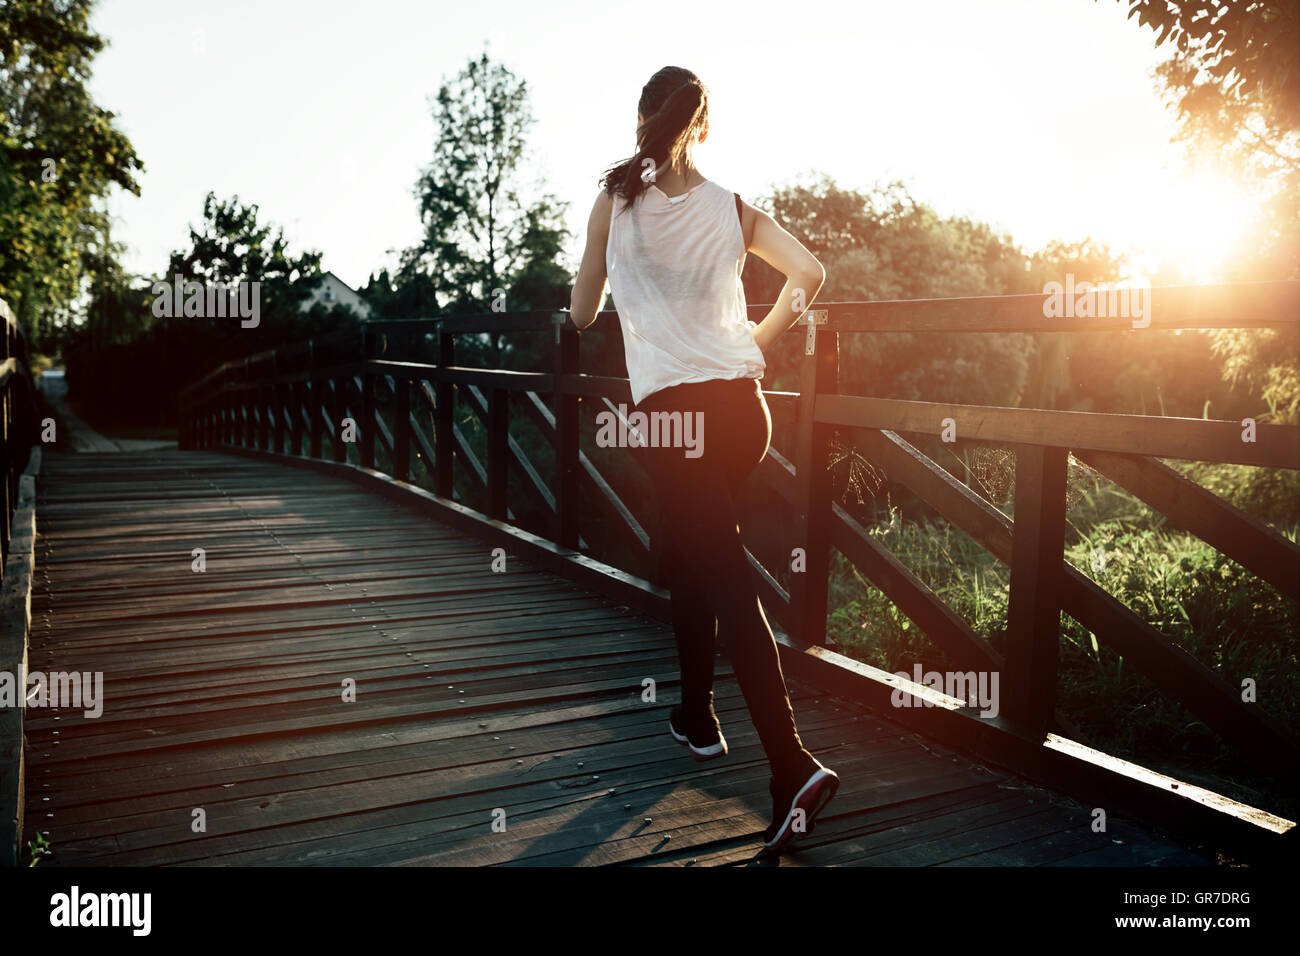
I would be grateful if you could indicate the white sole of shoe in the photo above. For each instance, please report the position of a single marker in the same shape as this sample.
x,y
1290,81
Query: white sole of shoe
x,y
701,753
829,784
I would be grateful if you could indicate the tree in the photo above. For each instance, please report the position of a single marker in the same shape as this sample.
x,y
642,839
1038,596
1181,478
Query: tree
x,y
134,361
484,244
884,244
230,246
60,155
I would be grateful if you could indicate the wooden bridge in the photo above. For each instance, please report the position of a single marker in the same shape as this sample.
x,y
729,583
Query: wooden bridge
x,y
330,634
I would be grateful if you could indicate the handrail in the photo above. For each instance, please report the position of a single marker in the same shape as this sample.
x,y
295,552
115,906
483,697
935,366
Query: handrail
x,y
18,426
20,457
1225,306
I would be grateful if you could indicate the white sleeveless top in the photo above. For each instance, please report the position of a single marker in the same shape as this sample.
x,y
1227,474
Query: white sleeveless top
x,y
674,270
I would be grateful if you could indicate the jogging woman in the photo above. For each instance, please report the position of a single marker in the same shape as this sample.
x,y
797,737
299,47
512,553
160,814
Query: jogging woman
x,y
671,245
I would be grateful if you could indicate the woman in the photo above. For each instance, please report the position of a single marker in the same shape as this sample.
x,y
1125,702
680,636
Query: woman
x,y
671,245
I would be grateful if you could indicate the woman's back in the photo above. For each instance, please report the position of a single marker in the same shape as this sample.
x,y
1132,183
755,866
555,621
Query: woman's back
x,y
674,270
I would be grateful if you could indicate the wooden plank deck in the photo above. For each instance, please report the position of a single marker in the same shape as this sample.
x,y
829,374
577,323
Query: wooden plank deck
x,y
475,692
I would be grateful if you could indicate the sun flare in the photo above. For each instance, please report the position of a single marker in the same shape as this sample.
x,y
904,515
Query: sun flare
x,y
1195,222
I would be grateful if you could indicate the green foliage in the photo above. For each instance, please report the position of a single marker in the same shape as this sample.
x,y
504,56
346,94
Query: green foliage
x,y
60,155
1263,363
869,627
883,244
1271,494
481,233
1233,61
1220,613
232,245
38,849
134,363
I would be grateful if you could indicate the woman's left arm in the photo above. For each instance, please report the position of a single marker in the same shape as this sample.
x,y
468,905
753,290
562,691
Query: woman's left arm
x,y
589,287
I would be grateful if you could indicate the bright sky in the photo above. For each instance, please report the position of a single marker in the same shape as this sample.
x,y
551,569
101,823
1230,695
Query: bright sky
x,y
1039,117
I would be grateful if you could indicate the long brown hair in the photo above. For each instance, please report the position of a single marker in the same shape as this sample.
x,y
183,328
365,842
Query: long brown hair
x,y
675,106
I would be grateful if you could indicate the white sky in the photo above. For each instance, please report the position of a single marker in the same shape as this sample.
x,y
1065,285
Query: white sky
x,y
1039,116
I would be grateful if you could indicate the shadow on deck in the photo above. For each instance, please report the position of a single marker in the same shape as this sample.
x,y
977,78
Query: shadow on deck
x,y
476,692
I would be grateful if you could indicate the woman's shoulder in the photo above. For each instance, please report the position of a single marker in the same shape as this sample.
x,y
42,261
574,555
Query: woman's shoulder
x,y
718,189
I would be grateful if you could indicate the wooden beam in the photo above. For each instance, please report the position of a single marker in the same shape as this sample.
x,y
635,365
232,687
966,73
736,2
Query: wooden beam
x,y
478,403
1232,306
444,421
402,429
498,450
819,375
367,385
1034,615
1276,446
564,406
604,497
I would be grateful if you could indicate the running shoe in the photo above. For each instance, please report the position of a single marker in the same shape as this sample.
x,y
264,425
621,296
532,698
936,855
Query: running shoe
x,y
810,793
704,737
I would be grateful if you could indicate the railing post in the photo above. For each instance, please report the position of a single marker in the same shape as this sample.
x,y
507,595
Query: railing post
x,y
228,409
246,402
1037,576
498,450
566,408
6,445
277,399
315,423
297,398
367,405
183,411
339,410
444,420
263,393
818,374
402,429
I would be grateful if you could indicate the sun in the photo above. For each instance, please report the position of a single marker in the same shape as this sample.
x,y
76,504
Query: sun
x,y
1198,223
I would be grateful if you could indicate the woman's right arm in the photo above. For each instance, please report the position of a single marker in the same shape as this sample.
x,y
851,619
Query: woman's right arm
x,y
804,275
589,286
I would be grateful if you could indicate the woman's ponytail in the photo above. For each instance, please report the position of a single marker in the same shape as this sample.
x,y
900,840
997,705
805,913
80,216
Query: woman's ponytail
x,y
674,106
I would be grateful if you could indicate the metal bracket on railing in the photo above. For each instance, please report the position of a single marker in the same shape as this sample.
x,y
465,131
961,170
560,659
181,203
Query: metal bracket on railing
x,y
813,318
559,319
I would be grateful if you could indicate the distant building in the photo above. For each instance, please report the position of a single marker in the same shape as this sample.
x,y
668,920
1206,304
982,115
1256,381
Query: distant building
x,y
331,291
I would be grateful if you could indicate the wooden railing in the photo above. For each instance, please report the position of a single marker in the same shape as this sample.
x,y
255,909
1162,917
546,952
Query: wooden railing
x,y
390,376
20,457
20,429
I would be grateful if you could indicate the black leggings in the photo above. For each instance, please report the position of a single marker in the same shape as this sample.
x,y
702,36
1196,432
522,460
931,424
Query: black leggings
x,y
712,584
